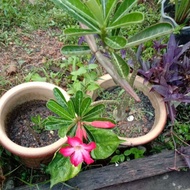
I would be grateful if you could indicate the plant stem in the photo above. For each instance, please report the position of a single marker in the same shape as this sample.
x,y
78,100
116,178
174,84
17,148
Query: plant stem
x,y
135,68
108,66
112,102
127,101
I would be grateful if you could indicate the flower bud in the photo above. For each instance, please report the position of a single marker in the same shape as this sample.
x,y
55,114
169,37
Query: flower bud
x,y
103,124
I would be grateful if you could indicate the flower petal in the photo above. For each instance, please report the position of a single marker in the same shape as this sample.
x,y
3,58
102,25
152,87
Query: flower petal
x,y
67,151
87,158
89,147
84,133
74,141
76,158
79,133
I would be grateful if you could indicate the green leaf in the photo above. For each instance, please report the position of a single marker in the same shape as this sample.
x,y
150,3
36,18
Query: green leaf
x,y
122,67
79,11
123,8
56,125
77,102
131,18
79,72
150,33
61,169
107,8
59,97
95,111
92,86
85,105
106,142
64,130
71,108
127,152
115,42
115,159
96,11
79,32
75,50
59,110
182,11
92,66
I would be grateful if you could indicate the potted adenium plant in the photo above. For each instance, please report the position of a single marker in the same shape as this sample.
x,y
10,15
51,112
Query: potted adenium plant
x,y
177,12
89,135
107,21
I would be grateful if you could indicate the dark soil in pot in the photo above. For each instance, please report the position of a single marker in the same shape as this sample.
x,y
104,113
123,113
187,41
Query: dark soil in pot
x,y
139,118
23,131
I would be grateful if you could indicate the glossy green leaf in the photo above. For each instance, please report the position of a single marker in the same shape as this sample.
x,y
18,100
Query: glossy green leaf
x,y
79,32
85,105
75,50
95,111
131,18
59,110
121,66
56,125
115,42
106,142
150,33
79,11
59,97
123,9
61,169
108,7
71,108
96,11
77,102
64,130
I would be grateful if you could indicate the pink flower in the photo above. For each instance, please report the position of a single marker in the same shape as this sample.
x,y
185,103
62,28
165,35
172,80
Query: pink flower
x,y
80,132
103,124
78,151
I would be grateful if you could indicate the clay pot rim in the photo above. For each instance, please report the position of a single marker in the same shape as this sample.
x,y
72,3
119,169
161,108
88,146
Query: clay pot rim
x,y
154,132
28,151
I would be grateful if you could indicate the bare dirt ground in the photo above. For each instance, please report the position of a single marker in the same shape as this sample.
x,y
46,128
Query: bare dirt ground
x,y
25,52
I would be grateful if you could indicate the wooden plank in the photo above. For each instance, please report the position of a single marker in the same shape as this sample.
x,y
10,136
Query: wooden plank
x,y
126,172
123,173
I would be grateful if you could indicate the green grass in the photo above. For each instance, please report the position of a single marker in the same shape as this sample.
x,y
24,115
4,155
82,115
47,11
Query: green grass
x,y
20,15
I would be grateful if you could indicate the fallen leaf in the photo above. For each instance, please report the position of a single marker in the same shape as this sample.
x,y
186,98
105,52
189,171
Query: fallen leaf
x,y
12,69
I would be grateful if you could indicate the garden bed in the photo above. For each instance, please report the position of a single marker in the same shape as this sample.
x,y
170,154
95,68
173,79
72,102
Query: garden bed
x,y
35,56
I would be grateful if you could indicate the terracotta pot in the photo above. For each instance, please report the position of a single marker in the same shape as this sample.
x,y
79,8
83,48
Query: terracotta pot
x,y
157,102
31,157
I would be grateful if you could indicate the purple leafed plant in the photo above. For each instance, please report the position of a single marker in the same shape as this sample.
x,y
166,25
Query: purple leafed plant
x,y
169,72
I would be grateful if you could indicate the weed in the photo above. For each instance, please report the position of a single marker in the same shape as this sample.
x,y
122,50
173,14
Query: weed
x,y
132,153
39,124
83,76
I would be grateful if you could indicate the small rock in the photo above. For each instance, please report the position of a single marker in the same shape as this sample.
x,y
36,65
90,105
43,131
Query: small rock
x,y
130,118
